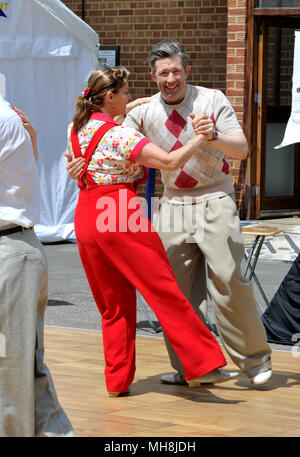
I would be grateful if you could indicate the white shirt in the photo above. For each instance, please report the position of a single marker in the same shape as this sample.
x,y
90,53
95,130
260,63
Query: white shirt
x,y
19,181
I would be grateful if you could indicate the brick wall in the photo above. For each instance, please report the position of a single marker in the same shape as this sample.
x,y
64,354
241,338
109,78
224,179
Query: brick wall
x,y
236,83
200,26
135,26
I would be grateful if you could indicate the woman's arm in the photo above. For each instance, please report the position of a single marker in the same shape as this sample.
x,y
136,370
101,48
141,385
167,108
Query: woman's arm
x,y
30,129
153,156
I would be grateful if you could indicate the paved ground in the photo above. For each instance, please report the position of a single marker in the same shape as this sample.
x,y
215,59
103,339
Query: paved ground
x,y
71,303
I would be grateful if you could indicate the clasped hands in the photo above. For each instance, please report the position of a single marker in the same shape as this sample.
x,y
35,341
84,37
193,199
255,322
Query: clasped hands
x,y
203,125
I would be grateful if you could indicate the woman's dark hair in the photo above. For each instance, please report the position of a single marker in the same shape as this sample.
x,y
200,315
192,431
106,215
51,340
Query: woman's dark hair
x,y
102,81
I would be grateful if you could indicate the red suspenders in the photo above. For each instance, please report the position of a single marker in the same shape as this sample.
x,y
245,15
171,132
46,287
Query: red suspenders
x,y
89,151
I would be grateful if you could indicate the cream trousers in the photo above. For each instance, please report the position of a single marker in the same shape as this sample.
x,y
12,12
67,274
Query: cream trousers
x,y
205,241
28,401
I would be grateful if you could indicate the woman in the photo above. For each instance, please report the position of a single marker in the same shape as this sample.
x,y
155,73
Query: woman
x,y
119,248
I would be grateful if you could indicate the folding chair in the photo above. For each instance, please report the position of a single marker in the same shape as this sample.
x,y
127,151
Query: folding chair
x,y
141,301
259,232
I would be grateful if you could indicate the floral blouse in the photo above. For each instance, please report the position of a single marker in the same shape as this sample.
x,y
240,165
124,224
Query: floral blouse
x,y
113,161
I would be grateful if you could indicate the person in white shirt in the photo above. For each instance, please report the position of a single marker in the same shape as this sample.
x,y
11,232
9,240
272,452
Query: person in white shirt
x,y
28,401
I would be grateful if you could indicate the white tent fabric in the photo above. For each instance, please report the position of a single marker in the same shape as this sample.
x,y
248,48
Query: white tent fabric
x,y
46,56
292,131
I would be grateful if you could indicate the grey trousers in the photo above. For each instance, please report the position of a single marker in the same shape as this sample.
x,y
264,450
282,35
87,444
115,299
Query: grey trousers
x,y
28,401
208,236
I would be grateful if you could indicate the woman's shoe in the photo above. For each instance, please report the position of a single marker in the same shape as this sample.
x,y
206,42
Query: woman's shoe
x,y
118,394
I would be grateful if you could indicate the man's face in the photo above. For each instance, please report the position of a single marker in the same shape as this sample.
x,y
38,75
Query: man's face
x,y
170,77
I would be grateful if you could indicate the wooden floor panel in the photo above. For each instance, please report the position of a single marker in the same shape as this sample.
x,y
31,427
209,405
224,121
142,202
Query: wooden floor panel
x,y
75,358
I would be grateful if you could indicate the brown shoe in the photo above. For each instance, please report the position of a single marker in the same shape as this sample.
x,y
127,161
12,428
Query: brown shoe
x,y
118,394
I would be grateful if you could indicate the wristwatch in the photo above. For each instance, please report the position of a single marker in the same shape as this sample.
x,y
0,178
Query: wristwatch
x,y
215,135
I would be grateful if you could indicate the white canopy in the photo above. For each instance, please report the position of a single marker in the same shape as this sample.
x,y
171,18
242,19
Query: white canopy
x,y
46,56
292,131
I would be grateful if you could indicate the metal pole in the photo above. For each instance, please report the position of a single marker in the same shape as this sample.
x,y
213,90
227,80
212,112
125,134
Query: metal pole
x,y
82,10
150,190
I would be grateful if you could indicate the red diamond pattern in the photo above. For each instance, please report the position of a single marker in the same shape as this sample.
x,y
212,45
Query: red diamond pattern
x,y
185,181
225,167
177,145
175,123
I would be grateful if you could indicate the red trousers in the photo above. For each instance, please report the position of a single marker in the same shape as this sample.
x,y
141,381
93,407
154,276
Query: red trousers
x,y
119,259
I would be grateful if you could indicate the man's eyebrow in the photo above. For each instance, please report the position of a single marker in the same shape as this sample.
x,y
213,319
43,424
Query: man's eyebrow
x,y
170,69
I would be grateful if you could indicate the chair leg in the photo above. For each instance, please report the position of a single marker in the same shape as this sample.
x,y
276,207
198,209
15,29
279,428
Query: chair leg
x,y
256,246
156,328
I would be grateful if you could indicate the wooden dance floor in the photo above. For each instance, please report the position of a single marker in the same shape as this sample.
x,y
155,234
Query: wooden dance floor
x,y
233,409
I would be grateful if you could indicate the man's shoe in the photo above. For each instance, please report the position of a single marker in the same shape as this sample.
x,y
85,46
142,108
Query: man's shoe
x,y
173,378
214,377
261,378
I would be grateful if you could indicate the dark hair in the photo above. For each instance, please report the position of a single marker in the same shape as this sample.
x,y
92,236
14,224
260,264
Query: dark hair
x,y
164,49
100,83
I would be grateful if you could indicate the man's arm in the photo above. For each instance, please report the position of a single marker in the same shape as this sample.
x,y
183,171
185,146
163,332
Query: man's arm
x,y
231,139
74,167
134,117
234,145
139,101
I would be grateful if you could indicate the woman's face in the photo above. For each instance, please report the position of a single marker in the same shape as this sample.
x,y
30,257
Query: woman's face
x,y
120,100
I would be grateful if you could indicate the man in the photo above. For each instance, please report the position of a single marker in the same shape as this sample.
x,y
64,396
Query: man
x,y
202,191
28,402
